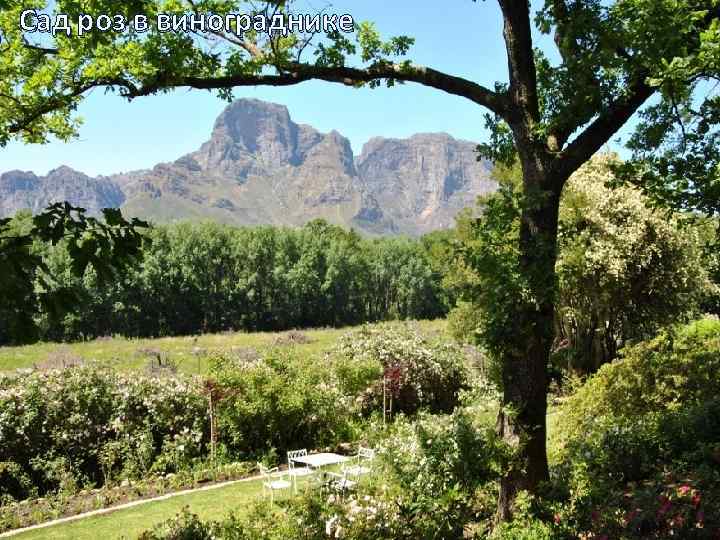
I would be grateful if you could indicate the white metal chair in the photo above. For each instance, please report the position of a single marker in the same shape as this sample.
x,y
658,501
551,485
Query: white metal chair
x,y
362,465
273,480
293,470
341,483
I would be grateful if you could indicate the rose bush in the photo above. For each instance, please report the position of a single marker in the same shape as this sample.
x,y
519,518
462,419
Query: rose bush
x,y
418,372
61,429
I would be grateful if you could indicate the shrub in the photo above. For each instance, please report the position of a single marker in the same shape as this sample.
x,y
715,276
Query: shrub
x,y
445,469
676,370
418,373
525,524
435,453
279,402
639,430
63,428
184,526
13,480
303,518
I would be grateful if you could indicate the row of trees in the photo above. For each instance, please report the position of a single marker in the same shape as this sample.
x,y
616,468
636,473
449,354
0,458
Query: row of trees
x,y
625,270
207,277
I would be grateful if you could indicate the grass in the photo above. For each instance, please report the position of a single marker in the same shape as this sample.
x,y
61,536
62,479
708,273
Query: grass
x,y
125,353
130,522
214,504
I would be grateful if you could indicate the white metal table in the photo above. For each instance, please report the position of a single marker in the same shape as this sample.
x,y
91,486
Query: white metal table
x,y
323,459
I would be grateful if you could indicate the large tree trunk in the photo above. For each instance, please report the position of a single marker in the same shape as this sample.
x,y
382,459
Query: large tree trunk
x,y
522,419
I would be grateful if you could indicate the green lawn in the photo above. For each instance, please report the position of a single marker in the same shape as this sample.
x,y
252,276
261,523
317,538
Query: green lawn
x,y
124,353
130,522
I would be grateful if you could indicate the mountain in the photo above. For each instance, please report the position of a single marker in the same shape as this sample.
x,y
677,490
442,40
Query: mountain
x,y
260,167
421,183
24,190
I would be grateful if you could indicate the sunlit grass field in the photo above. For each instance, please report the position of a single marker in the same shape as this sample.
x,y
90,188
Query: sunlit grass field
x,y
128,523
188,353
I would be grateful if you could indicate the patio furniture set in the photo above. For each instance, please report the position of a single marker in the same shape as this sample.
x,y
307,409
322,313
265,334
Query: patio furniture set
x,y
310,466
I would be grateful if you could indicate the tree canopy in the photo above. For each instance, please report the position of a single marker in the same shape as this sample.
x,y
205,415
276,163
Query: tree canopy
x,y
207,277
27,283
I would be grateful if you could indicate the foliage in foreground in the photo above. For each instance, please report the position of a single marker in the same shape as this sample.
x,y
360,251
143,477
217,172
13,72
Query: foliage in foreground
x,y
637,457
639,444
27,284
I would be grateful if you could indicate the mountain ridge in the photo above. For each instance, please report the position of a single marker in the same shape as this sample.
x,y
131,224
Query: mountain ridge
x,y
260,167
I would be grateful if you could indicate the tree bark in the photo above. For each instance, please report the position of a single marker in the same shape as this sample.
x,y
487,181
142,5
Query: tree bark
x,y
522,419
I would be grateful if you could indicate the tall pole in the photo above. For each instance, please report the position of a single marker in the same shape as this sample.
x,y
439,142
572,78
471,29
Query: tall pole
x,y
384,399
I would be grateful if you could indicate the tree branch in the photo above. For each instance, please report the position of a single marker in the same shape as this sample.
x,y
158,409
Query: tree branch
x,y
29,115
604,126
297,73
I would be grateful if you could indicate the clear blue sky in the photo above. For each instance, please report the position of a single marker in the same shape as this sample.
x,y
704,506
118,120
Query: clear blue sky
x,y
460,37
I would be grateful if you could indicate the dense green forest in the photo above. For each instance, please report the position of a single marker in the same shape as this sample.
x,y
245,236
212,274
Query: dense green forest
x,y
206,277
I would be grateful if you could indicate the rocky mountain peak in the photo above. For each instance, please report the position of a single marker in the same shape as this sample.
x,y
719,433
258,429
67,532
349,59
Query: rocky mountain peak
x,y
17,180
64,172
260,167
251,126
425,179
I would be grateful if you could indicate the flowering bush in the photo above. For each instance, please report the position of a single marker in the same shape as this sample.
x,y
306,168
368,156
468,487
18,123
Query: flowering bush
x,y
445,467
64,428
624,269
636,433
436,453
279,402
418,373
661,508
